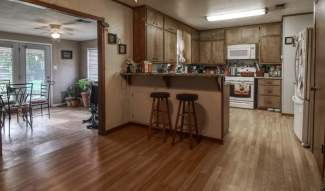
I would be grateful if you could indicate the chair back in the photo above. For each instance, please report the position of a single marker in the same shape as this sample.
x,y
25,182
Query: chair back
x,y
19,94
3,86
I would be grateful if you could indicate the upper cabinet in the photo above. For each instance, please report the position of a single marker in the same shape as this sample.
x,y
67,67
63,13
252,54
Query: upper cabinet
x,y
271,43
155,42
170,25
218,52
155,37
242,35
271,29
270,50
170,47
187,47
195,46
155,18
211,35
205,52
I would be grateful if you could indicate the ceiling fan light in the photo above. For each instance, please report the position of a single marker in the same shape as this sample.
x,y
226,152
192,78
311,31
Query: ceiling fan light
x,y
237,15
55,35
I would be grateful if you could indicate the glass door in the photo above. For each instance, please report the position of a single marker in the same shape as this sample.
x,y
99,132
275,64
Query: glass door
x,y
35,65
8,61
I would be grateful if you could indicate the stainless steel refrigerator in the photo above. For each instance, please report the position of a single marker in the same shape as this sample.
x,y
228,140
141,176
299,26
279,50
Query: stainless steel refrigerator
x,y
304,74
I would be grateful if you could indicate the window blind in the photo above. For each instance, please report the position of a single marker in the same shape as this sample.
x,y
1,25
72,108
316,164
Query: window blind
x,y
6,63
92,64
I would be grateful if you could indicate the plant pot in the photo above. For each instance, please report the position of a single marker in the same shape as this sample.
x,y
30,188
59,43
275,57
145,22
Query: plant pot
x,y
72,102
75,102
85,99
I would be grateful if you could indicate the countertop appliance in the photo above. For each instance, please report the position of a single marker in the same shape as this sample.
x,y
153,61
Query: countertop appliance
x,y
241,52
242,92
303,76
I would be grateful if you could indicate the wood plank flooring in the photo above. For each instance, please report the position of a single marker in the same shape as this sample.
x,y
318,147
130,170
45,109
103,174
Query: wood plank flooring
x,y
260,154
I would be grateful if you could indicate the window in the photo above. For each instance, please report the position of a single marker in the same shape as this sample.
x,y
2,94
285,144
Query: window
x,y
6,63
92,64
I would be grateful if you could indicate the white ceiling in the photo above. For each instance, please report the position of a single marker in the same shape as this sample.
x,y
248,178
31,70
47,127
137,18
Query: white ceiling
x,y
193,12
22,19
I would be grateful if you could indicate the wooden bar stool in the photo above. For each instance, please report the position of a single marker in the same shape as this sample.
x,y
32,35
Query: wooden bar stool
x,y
159,99
186,108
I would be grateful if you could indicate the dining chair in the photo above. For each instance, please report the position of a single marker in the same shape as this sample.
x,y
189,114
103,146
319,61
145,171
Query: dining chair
x,y
19,102
42,100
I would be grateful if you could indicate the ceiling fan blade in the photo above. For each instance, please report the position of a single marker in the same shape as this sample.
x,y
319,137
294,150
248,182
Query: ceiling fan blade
x,y
70,22
68,29
41,21
41,28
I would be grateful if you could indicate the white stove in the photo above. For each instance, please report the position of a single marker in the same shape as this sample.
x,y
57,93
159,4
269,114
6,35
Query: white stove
x,y
242,92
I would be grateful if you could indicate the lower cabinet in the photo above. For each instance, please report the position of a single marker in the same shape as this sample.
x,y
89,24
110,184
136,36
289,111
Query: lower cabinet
x,y
269,94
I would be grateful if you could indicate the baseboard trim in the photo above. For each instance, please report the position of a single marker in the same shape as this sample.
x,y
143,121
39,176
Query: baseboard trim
x,y
130,123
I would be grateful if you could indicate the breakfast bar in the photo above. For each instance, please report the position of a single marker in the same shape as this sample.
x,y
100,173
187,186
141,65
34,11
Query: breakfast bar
x,y
212,107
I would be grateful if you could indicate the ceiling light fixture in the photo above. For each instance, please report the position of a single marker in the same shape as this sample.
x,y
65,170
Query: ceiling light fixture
x,y
228,16
55,35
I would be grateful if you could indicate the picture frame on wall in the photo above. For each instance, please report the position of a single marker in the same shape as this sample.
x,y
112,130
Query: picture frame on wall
x,y
112,38
66,54
122,49
289,40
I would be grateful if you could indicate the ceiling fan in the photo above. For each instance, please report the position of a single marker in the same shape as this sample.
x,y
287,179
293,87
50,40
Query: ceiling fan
x,y
55,30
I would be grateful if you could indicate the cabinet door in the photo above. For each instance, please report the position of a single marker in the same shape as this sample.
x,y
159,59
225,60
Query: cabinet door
x,y
217,34
195,52
170,47
271,29
187,47
155,43
170,25
233,36
270,50
250,34
205,52
218,53
155,18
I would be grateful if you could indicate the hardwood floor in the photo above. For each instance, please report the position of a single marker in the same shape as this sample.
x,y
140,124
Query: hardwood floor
x,y
63,129
260,153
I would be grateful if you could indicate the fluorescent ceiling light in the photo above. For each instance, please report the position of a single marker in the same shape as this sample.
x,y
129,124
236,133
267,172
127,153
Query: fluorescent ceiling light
x,y
237,15
55,35
27,4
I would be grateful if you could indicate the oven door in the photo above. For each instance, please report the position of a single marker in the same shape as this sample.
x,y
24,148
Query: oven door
x,y
242,91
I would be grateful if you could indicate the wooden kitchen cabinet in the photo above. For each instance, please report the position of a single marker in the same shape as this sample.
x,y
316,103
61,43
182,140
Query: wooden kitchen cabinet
x,y
154,18
270,50
155,44
211,35
243,35
233,36
170,47
205,52
195,52
187,47
218,52
170,25
250,34
269,94
271,29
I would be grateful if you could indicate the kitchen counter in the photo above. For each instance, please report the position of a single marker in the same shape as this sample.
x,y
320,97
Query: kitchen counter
x,y
270,78
167,77
212,106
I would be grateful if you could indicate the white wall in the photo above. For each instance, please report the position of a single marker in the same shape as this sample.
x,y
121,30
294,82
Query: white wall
x,y
292,25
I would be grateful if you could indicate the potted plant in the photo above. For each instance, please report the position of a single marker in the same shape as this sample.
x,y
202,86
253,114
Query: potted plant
x,y
84,85
72,99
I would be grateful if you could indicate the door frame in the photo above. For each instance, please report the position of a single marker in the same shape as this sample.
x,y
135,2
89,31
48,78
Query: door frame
x,y
101,28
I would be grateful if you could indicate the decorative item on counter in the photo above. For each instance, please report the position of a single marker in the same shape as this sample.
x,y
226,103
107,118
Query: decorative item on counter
x,y
147,67
266,75
226,72
259,73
